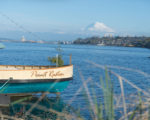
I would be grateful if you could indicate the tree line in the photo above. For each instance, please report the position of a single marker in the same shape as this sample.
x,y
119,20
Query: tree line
x,y
116,41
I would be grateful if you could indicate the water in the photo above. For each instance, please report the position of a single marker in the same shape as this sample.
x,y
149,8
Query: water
x,y
37,54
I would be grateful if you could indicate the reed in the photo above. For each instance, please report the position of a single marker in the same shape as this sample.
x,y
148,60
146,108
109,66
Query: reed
x,y
104,109
140,110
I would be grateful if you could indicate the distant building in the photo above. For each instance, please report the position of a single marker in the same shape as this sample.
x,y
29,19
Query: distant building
x,y
108,35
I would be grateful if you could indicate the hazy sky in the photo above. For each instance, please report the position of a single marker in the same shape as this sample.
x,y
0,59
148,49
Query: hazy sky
x,y
76,16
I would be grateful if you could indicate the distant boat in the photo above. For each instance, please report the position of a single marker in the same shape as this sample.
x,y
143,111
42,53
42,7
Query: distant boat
x,y
101,44
16,79
1,46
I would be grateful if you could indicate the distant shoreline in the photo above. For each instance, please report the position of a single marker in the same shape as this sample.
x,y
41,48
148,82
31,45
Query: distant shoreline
x,y
28,41
142,42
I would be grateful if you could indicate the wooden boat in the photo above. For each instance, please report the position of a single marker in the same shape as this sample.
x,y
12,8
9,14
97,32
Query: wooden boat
x,y
15,79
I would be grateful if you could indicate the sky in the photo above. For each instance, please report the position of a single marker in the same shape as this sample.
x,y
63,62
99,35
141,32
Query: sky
x,y
70,19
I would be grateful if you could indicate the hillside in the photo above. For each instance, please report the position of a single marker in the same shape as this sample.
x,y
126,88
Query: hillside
x,y
116,41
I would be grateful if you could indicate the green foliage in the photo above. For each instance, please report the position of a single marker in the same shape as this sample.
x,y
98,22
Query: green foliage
x,y
116,41
104,111
99,108
107,89
138,109
56,60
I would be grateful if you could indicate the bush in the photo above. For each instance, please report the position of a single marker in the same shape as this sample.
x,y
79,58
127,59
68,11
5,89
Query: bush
x,y
56,60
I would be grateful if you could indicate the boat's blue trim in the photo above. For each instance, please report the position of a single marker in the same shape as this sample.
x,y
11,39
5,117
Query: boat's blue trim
x,y
34,87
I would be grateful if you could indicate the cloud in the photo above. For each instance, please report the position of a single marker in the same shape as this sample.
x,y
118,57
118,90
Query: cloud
x,y
99,27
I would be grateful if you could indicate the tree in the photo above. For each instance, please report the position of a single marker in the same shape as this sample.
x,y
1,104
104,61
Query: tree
x,y
58,59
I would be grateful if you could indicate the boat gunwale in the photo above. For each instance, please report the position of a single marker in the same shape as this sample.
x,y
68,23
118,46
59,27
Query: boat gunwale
x,y
50,67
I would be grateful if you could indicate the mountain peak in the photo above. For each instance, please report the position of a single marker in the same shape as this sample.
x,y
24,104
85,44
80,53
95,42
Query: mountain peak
x,y
99,27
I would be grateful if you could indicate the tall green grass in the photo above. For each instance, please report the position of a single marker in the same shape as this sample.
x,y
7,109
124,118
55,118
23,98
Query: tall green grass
x,y
103,109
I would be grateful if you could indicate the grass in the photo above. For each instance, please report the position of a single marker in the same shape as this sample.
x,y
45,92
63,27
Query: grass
x,y
39,108
140,111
